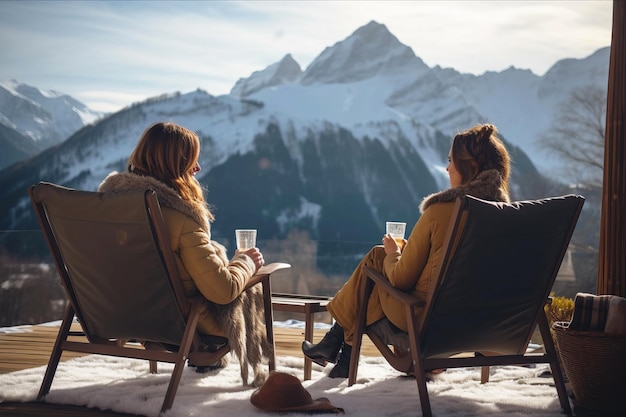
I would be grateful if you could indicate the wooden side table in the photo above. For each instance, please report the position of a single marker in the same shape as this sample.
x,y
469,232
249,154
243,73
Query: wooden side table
x,y
304,304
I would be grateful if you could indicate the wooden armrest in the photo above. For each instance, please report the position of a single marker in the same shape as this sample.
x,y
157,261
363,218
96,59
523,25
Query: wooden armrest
x,y
399,295
265,271
271,268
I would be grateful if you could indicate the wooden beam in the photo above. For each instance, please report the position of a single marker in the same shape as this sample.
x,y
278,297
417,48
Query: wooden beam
x,y
612,250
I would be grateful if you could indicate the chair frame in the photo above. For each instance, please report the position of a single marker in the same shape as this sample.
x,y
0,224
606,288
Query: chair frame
x,y
413,362
190,346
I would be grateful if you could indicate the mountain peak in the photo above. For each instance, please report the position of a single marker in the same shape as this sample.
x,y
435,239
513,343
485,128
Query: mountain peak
x,y
371,50
285,71
373,29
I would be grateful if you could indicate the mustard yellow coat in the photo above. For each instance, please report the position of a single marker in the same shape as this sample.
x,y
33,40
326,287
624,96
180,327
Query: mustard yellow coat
x,y
414,270
204,267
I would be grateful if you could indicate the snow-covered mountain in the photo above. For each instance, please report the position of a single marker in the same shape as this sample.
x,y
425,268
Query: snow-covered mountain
x,y
359,137
371,76
32,120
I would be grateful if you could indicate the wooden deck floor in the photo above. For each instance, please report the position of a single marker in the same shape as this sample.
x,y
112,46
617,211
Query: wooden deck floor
x,y
31,348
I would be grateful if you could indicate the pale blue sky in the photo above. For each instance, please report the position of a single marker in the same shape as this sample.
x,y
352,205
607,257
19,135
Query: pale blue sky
x,y
109,54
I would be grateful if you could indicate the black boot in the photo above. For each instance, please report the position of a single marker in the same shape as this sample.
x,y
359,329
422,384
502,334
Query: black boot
x,y
327,349
342,369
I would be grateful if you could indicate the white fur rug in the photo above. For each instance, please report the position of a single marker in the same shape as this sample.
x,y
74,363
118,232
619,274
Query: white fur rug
x,y
125,385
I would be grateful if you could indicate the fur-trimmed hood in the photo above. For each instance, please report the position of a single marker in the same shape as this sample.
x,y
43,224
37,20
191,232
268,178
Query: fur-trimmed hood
x,y
119,182
488,185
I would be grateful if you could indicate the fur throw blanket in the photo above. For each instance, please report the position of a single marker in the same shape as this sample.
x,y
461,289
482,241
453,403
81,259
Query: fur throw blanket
x,y
243,318
487,186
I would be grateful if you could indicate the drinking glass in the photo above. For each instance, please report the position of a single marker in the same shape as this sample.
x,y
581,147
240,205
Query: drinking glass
x,y
396,230
246,238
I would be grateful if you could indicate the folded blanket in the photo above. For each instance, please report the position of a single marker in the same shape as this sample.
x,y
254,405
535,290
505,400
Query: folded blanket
x,y
616,317
590,312
599,313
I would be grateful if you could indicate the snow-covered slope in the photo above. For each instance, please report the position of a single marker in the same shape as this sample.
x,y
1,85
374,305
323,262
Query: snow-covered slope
x,y
33,120
42,115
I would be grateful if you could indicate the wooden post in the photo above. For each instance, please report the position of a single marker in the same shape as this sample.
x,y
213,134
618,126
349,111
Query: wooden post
x,y
612,251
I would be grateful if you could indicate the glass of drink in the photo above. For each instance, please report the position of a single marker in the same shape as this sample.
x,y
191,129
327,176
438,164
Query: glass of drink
x,y
246,238
396,230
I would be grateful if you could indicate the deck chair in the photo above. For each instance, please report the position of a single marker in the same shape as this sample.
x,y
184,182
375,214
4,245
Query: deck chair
x,y
499,264
113,256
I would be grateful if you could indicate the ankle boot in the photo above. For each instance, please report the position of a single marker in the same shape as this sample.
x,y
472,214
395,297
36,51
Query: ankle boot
x,y
327,349
342,369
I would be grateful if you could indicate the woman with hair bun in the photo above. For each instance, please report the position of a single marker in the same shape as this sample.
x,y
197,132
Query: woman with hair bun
x,y
479,165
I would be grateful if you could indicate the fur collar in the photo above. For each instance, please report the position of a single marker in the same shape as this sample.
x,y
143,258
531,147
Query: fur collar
x,y
487,186
120,182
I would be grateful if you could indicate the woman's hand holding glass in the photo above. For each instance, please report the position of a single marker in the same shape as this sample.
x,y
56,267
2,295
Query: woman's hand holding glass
x,y
256,256
391,245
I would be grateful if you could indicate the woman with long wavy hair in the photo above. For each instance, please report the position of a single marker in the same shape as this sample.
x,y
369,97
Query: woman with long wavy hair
x,y
166,160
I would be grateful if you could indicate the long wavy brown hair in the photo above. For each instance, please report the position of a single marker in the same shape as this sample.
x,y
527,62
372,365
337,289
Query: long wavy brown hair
x,y
479,149
169,152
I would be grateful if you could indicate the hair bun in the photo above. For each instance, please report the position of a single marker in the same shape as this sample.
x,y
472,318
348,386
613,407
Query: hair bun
x,y
486,131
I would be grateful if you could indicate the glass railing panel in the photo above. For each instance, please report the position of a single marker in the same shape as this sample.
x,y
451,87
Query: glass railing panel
x,y
31,291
